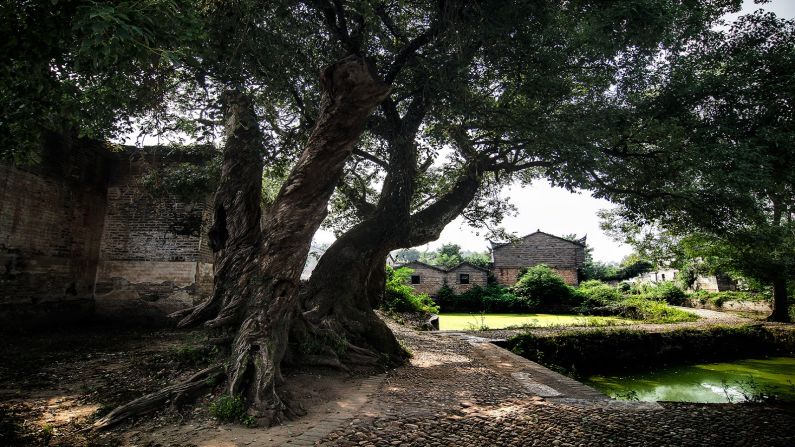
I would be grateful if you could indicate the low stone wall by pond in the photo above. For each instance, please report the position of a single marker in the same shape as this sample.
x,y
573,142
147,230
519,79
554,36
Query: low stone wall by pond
x,y
732,305
583,353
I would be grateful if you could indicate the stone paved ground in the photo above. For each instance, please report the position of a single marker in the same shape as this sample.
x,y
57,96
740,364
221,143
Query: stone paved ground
x,y
452,396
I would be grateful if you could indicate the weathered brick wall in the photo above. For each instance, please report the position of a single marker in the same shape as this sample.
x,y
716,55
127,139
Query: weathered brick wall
x,y
506,276
477,277
139,227
154,258
569,275
538,248
78,235
431,279
51,218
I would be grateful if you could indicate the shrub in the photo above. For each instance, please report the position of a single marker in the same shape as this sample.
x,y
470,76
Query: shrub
x,y
492,298
668,292
604,351
717,299
649,311
597,293
540,284
399,296
231,409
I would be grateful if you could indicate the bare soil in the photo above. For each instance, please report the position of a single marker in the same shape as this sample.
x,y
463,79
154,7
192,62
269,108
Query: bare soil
x,y
53,386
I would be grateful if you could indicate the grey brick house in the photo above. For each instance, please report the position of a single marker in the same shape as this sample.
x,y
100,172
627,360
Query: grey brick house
x,y
427,278
562,255
508,259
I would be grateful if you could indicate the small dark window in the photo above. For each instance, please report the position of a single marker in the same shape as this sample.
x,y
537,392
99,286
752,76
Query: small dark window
x,y
415,279
663,276
463,278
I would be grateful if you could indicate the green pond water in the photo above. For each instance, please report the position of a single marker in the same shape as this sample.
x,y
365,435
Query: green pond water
x,y
709,383
462,321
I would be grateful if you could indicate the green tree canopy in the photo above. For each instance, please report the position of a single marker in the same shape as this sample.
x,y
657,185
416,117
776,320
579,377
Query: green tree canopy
x,y
707,149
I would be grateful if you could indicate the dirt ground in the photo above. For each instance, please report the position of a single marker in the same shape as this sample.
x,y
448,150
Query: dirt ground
x,y
53,386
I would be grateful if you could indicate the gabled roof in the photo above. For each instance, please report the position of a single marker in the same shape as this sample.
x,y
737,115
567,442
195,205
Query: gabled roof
x,y
579,242
469,264
421,264
434,267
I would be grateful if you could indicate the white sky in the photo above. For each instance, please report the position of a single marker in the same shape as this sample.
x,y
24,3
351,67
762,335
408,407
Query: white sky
x,y
555,210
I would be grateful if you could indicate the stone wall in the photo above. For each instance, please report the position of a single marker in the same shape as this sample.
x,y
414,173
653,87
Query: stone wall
x,y
80,238
477,277
51,218
715,283
433,278
153,258
561,255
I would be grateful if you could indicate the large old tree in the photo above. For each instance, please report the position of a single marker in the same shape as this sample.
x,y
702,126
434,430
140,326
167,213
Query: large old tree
x,y
486,86
468,96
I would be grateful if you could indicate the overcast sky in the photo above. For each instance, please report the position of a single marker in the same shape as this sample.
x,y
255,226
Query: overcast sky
x,y
555,210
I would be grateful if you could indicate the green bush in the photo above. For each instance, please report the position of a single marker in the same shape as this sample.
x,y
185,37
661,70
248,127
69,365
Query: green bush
x,y
540,284
668,292
492,298
648,311
597,293
231,409
399,296
604,351
598,298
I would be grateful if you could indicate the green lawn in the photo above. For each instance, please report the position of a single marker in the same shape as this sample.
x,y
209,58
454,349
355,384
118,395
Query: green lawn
x,y
458,322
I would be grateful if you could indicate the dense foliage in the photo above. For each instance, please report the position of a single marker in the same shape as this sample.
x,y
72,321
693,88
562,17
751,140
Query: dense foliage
x,y
712,160
493,298
648,303
603,351
544,286
399,296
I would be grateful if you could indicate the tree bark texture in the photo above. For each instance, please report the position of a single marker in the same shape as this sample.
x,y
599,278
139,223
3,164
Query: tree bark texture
x,y
348,281
780,301
259,259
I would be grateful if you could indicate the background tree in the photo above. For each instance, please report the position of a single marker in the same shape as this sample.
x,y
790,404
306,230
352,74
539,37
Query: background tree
x,y
706,148
87,69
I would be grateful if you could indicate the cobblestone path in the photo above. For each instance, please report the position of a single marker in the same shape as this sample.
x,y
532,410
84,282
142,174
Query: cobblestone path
x,y
453,394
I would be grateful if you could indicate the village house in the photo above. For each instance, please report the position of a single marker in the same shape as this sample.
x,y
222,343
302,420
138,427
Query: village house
x,y
426,278
562,255
508,259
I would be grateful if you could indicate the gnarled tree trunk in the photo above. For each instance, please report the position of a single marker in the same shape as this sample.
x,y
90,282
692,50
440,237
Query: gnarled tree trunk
x,y
780,301
349,278
258,261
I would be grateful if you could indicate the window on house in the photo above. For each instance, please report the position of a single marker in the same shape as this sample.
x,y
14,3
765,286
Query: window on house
x,y
463,278
663,276
415,279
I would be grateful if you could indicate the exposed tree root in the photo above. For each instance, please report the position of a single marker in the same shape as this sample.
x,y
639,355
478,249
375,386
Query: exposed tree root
x,y
258,261
176,393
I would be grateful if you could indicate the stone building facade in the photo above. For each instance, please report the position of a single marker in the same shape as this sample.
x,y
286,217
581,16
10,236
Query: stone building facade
x,y
429,279
562,255
80,238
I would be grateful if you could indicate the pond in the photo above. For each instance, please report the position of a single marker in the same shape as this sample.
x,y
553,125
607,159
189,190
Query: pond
x,y
462,321
736,381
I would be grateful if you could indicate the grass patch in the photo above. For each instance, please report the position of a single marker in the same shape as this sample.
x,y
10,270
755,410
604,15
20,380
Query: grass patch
x,y
463,321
